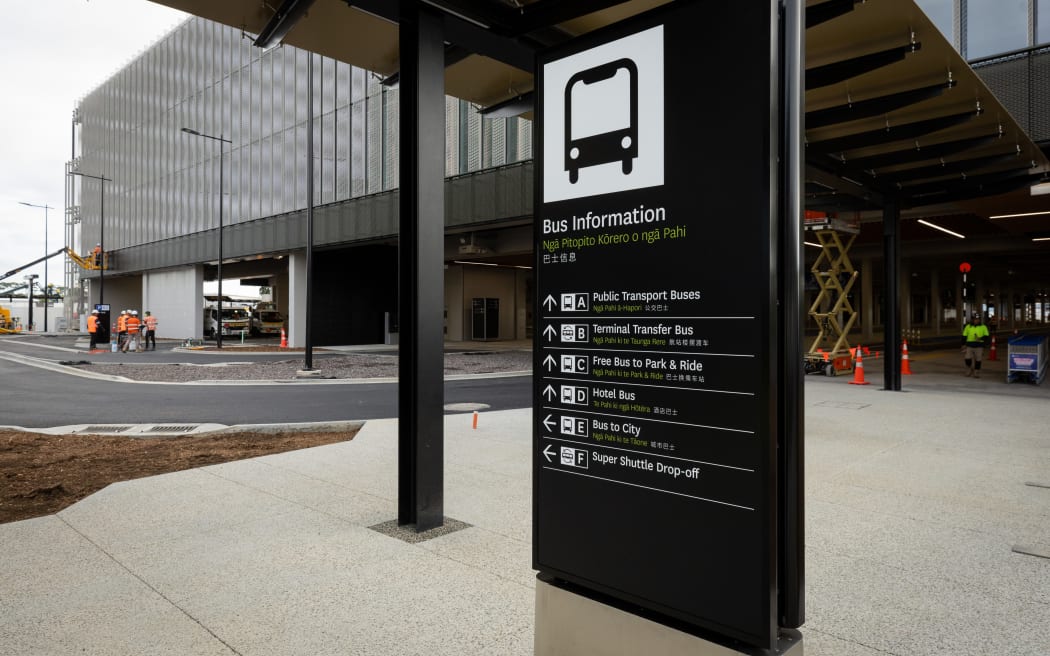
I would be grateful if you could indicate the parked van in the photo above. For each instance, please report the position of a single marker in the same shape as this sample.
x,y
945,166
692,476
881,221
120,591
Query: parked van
x,y
235,320
266,320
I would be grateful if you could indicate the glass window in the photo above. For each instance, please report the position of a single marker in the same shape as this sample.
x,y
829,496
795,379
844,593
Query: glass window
x,y
942,13
995,26
1042,21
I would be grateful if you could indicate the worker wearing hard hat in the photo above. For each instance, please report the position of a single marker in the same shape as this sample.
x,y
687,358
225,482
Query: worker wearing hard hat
x,y
92,326
133,323
150,326
122,329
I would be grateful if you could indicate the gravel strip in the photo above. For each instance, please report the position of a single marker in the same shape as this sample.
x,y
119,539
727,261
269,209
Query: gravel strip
x,y
342,366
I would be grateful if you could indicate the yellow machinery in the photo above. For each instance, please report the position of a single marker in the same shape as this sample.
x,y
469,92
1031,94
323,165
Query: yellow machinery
x,y
7,324
830,352
89,261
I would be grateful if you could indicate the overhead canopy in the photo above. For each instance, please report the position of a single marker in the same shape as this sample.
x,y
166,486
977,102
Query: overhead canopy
x,y
892,109
491,44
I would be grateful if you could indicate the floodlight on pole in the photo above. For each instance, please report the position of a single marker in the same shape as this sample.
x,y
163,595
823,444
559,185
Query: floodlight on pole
x,y
221,140
47,295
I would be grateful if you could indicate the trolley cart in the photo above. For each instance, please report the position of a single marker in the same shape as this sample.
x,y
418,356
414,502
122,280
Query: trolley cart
x,y
1026,359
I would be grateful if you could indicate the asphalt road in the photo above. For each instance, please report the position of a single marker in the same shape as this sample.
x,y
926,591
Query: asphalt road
x,y
38,398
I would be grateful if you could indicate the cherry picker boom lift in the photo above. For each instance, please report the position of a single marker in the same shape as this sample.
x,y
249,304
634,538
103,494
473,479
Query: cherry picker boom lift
x,y
84,261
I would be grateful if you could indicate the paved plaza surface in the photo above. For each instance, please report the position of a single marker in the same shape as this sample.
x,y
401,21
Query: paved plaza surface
x,y
919,505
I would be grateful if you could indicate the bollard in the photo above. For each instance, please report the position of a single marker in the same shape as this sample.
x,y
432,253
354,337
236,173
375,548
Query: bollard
x,y
475,424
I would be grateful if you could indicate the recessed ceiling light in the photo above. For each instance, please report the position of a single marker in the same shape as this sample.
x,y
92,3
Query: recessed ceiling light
x,y
937,227
1014,216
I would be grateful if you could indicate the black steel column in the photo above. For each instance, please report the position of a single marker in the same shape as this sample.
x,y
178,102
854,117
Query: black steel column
x,y
791,441
891,312
308,361
421,272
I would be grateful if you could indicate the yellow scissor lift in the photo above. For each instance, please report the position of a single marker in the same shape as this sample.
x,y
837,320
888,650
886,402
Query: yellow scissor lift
x,y
830,352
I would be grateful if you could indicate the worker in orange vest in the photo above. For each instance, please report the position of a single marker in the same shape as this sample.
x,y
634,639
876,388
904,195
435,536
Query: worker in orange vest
x,y
150,322
133,323
122,329
92,326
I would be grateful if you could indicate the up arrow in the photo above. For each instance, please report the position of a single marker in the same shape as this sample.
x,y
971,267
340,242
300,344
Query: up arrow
x,y
549,361
549,392
549,332
549,302
548,453
547,423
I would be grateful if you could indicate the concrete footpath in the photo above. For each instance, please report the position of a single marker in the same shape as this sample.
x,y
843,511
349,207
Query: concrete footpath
x,y
916,501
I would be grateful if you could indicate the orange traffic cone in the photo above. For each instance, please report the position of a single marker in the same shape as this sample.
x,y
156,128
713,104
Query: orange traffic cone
x,y
284,339
992,355
905,366
858,370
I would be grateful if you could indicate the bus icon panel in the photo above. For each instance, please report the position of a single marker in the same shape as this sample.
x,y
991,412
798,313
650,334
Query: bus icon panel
x,y
615,145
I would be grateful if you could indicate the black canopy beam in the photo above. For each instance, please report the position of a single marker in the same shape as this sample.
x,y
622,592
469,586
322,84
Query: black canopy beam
x,y
918,153
892,133
519,53
944,168
963,183
282,22
828,74
968,192
825,11
509,21
874,106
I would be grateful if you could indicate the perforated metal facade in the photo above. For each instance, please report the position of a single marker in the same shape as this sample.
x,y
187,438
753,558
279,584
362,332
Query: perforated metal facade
x,y
208,77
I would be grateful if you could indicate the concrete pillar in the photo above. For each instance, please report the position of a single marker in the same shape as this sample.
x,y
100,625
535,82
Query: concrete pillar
x,y
296,295
867,301
175,297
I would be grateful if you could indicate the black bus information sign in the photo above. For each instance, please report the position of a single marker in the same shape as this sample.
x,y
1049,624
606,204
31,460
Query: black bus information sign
x,y
654,431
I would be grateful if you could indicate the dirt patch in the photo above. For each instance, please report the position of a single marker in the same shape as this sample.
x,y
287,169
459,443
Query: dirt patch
x,y
42,474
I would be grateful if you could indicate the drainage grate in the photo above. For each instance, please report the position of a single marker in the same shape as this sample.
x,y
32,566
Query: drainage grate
x,y
171,429
106,429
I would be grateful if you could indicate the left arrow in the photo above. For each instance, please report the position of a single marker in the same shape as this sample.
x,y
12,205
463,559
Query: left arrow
x,y
547,422
548,453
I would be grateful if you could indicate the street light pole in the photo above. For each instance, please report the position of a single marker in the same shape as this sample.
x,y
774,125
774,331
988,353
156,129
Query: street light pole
x,y
221,140
47,295
101,230
31,282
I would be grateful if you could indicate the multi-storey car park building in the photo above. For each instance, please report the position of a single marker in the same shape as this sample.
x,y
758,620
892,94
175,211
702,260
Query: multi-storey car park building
x,y
161,203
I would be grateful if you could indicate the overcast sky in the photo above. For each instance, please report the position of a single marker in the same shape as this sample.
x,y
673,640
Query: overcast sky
x,y
53,53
